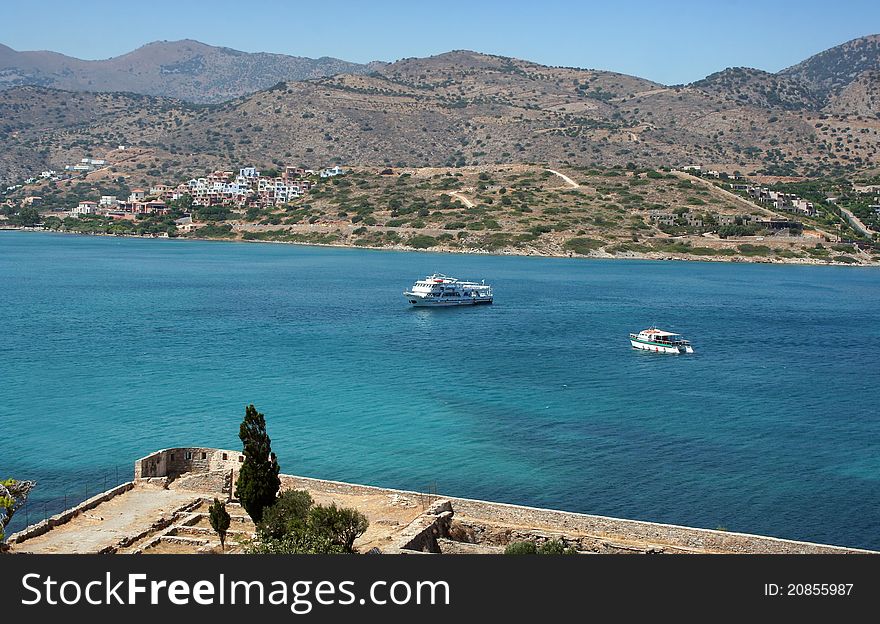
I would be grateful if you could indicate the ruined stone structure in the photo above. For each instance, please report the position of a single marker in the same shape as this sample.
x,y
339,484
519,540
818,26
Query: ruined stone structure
x,y
205,469
174,462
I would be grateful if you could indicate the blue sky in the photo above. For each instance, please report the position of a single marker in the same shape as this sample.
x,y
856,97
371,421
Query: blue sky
x,y
667,41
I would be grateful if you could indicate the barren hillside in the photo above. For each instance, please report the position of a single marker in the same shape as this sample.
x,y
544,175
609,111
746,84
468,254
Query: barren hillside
x,y
186,69
461,108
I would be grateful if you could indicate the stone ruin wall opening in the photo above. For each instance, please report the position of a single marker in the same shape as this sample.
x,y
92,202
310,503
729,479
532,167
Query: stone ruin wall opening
x,y
203,467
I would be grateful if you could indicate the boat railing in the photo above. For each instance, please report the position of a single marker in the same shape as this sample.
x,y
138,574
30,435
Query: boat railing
x,y
661,341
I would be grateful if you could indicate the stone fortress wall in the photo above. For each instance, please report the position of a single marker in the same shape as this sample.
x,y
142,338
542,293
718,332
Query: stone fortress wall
x,y
583,531
205,464
446,524
46,525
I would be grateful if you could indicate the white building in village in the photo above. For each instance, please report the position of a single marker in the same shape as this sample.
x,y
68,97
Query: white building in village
x,y
331,172
84,208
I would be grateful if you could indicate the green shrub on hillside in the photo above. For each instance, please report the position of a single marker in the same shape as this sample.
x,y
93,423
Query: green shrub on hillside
x,y
289,513
293,524
737,230
583,246
295,544
497,241
421,241
521,548
845,259
215,231
341,525
537,230
754,250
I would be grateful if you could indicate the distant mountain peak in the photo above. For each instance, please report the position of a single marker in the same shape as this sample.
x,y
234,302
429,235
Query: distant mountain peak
x,y
811,84
831,70
757,87
184,69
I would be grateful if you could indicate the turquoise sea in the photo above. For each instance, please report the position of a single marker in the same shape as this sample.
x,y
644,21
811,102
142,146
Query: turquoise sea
x,y
112,348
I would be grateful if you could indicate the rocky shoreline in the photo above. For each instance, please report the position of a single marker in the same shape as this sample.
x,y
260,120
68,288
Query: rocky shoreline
x,y
595,255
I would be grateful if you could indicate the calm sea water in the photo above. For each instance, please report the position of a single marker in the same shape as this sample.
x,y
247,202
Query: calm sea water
x,y
112,348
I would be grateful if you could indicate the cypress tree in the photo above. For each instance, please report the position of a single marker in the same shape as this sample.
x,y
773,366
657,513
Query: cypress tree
x,y
220,520
258,483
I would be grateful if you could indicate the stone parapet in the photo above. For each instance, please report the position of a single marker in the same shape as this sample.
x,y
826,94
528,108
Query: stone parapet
x,y
65,516
583,531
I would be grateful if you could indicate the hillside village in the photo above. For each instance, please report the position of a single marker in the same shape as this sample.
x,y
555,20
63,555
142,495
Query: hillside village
x,y
239,191
249,188
858,206
519,209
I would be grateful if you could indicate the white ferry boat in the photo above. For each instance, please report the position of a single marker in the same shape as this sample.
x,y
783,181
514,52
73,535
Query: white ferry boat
x,y
653,339
439,290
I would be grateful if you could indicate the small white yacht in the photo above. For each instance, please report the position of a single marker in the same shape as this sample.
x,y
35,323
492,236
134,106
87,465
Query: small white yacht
x,y
439,290
653,339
